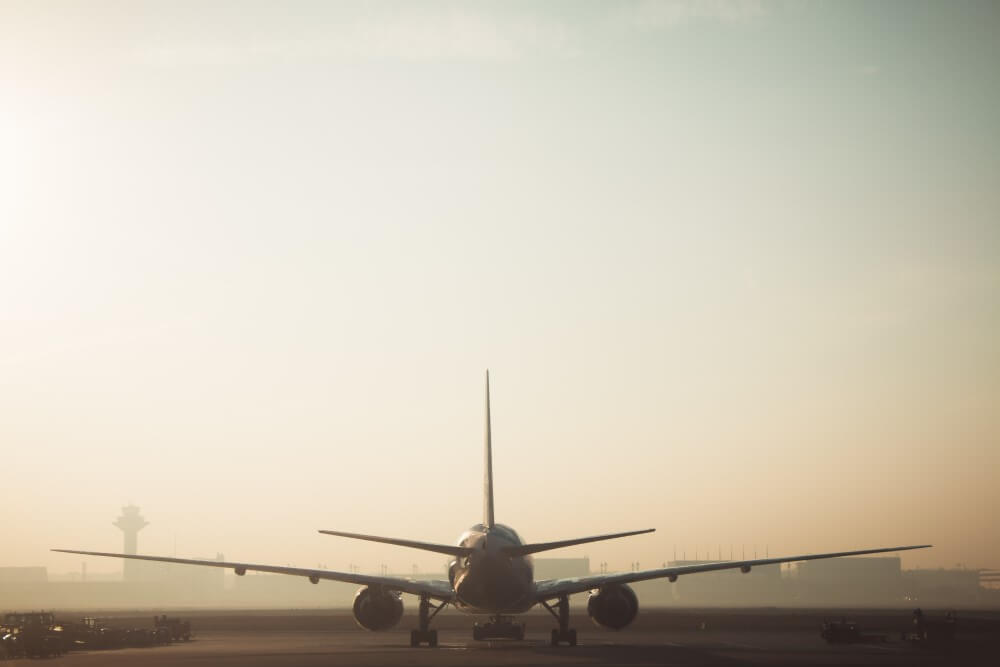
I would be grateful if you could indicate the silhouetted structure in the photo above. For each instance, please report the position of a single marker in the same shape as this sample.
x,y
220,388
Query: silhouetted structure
x,y
763,585
130,523
943,587
178,585
850,581
560,568
23,575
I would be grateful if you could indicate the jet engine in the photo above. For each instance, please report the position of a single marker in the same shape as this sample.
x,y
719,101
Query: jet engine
x,y
613,606
377,609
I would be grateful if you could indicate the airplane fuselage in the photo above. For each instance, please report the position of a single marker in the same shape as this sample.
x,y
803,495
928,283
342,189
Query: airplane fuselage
x,y
489,580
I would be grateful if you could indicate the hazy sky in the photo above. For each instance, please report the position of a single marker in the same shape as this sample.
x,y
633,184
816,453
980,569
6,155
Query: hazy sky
x,y
735,267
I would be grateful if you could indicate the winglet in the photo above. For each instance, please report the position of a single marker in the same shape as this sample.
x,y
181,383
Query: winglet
x,y
488,519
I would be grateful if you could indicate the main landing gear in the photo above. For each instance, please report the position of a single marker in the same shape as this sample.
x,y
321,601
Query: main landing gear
x,y
561,612
423,634
499,627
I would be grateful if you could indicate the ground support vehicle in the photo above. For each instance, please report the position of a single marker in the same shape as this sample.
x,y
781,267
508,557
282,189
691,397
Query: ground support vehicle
x,y
32,635
932,632
847,632
178,629
498,627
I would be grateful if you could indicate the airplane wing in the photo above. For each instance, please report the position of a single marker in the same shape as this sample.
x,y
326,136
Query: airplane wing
x,y
436,589
553,588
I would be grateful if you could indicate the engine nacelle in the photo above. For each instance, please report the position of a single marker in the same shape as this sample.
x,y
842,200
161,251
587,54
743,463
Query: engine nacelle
x,y
377,609
613,606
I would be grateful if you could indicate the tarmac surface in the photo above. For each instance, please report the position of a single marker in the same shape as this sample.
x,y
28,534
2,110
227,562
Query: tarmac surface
x,y
659,637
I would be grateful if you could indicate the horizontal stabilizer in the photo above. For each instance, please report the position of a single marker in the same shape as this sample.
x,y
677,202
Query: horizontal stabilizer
x,y
424,546
525,549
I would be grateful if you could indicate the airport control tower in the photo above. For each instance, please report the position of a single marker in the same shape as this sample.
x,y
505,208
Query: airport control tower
x,y
130,523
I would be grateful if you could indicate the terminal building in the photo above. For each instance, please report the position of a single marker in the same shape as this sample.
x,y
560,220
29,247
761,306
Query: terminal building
x,y
942,587
140,583
761,586
861,581
561,568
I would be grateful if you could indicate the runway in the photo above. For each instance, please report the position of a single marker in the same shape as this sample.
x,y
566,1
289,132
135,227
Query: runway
x,y
662,638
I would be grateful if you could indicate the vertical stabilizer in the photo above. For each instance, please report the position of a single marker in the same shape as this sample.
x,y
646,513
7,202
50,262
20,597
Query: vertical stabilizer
x,y
488,464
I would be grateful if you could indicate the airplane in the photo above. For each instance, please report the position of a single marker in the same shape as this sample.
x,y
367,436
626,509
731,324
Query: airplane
x,y
492,574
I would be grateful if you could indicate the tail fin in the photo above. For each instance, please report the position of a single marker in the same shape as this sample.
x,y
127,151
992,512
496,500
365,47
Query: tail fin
x,y
488,519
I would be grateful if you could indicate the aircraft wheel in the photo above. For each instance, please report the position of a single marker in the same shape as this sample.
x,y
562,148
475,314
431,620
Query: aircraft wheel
x,y
572,637
555,637
432,638
414,639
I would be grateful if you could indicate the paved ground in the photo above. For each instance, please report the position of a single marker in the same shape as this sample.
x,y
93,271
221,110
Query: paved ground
x,y
662,638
